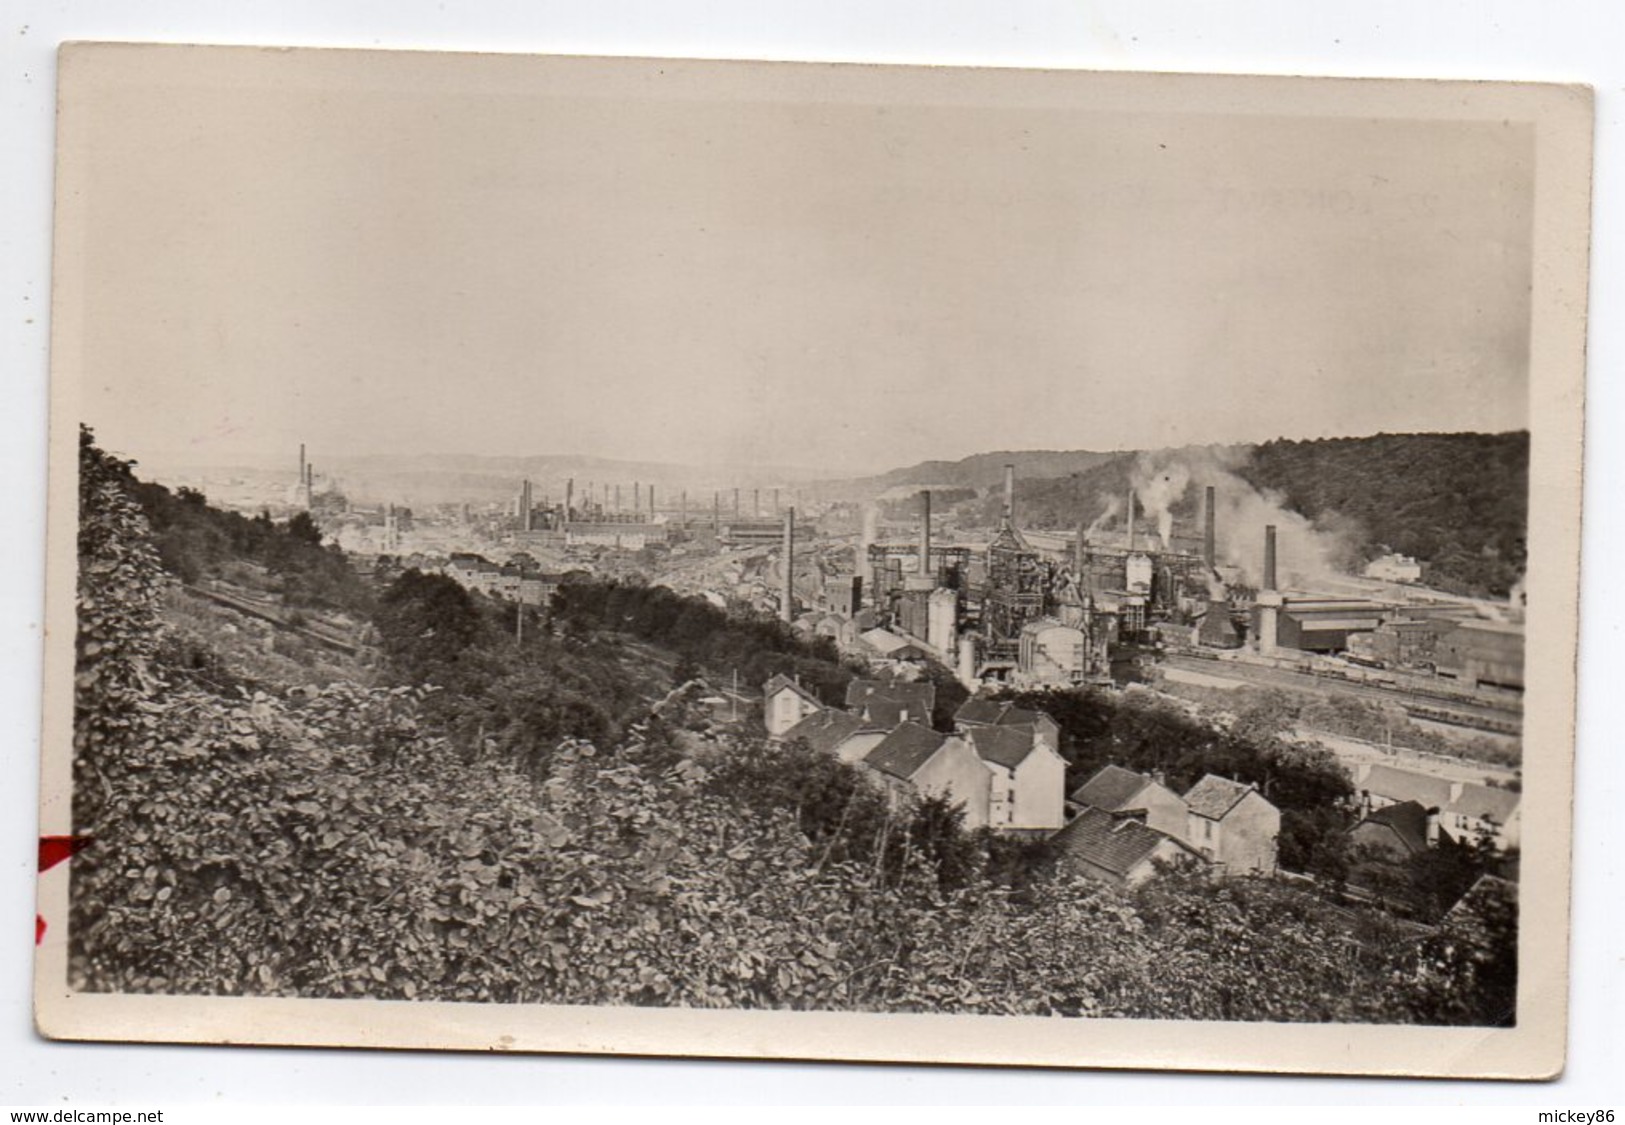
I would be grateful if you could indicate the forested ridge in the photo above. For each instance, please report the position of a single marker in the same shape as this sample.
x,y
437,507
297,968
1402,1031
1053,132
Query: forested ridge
x,y
1457,501
433,835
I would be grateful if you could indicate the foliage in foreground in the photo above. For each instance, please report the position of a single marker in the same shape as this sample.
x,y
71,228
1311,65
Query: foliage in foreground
x,y
331,849
338,845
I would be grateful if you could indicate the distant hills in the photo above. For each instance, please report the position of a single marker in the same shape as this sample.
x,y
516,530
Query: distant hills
x,y
983,470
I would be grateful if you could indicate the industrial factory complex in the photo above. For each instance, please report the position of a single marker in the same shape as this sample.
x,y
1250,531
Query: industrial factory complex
x,y
923,586
1002,605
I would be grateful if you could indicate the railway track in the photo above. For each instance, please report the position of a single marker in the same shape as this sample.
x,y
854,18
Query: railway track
x,y
1438,708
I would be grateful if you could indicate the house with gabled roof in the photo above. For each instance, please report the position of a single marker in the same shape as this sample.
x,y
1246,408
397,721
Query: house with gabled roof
x,y
887,645
1232,825
1395,832
980,711
785,703
914,757
841,733
919,694
1122,850
1114,789
1477,812
1027,782
1380,785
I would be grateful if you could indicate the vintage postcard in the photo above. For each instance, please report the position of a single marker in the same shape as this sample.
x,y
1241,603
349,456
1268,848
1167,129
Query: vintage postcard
x,y
776,560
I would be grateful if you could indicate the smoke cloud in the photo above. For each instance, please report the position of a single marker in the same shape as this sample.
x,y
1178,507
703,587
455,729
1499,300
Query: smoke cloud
x,y
1109,514
1158,485
1305,551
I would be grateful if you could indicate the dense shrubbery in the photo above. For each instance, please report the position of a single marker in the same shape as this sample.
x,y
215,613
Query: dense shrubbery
x,y
757,648
195,540
335,850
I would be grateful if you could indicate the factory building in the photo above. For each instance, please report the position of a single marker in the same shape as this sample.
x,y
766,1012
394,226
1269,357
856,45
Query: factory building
x,y
750,531
1216,629
1400,643
1052,653
1014,585
621,536
1321,625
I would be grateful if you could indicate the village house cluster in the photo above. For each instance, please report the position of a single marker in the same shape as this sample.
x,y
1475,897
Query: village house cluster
x,y
1126,822
1002,765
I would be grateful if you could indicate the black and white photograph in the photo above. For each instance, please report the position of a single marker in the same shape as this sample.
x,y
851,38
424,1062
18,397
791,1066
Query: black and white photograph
x,y
811,561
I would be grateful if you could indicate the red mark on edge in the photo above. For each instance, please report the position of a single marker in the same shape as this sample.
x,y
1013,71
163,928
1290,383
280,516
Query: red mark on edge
x,y
52,851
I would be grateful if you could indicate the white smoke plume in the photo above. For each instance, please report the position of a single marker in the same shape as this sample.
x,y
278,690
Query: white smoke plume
x,y
1158,484
1305,552
1112,510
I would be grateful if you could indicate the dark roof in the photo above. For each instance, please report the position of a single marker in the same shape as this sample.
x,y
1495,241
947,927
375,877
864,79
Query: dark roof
x,y
826,730
902,752
1116,844
1407,820
1476,910
1484,803
924,694
879,712
1001,745
978,709
779,682
1214,796
1013,716
1403,785
1111,789
981,711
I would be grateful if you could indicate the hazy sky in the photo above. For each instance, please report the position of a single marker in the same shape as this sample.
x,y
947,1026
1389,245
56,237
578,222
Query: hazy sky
x,y
429,266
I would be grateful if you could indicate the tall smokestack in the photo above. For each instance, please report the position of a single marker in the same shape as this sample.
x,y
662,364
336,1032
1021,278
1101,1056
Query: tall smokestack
x,y
569,498
787,601
925,533
637,493
1210,534
651,502
716,513
866,539
1269,600
301,463
776,508
1010,494
682,509
1131,517
755,503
